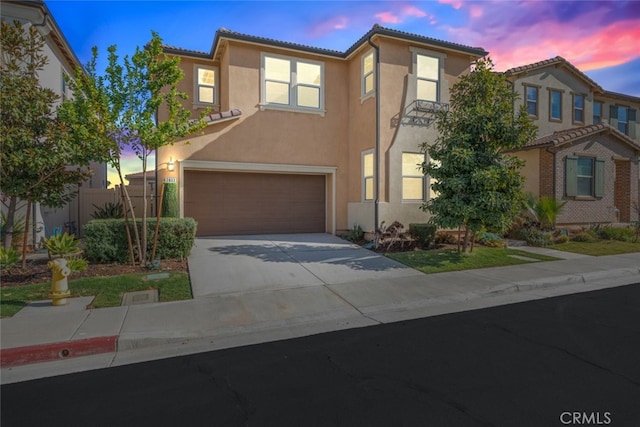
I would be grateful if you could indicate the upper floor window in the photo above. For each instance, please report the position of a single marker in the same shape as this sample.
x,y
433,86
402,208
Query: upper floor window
x,y
206,87
428,78
531,96
368,74
597,112
64,86
555,105
292,83
578,108
623,120
412,177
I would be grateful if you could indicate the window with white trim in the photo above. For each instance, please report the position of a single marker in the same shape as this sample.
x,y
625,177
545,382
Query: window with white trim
x,y
292,83
428,78
368,74
412,177
597,112
531,97
578,108
206,86
368,171
555,105
584,176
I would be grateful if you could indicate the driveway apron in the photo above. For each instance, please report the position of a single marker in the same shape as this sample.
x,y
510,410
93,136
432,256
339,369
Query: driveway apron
x,y
227,264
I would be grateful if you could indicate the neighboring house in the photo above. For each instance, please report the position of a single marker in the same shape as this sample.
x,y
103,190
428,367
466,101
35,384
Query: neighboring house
x,y
588,143
136,179
62,61
304,139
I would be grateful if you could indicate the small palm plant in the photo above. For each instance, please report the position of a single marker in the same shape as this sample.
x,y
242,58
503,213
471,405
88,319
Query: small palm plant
x,y
545,210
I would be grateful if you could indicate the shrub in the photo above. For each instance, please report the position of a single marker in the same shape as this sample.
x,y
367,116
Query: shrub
x,y
170,200
583,236
424,234
617,233
355,234
563,238
9,258
106,240
109,210
444,237
62,244
534,237
491,240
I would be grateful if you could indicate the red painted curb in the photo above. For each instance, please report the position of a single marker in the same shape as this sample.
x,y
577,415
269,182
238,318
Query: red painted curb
x,y
55,351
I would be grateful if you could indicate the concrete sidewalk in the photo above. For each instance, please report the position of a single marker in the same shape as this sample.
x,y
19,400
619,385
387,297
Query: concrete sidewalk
x,y
35,340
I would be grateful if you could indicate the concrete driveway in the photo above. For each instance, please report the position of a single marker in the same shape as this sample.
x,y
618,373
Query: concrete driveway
x,y
219,265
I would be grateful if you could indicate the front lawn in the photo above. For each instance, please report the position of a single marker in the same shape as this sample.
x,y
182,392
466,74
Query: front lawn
x,y
441,260
108,291
598,248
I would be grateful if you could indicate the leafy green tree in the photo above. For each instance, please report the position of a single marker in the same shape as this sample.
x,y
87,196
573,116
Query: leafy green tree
x,y
40,160
478,184
122,107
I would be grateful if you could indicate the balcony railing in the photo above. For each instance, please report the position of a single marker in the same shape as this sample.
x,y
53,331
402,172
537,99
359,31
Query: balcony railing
x,y
419,112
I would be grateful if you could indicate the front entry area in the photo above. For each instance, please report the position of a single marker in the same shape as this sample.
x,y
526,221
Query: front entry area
x,y
232,203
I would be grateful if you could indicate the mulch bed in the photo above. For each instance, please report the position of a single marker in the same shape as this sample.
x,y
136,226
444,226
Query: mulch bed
x,y
36,271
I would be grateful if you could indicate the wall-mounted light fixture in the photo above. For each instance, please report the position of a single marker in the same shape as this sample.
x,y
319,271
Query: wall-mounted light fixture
x,y
171,164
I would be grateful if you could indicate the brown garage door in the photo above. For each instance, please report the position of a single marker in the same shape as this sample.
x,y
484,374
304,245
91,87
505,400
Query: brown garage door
x,y
226,203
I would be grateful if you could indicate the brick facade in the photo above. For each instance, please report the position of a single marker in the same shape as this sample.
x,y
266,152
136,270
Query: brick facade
x,y
546,173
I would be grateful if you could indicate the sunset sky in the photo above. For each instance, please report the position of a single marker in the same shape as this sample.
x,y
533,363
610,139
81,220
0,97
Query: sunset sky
x,y
601,38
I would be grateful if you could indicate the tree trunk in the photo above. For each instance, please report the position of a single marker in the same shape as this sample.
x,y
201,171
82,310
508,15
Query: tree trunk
x,y
25,235
467,236
7,239
123,188
144,207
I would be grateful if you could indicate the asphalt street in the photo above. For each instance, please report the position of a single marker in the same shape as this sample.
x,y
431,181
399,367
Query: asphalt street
x,y
570,360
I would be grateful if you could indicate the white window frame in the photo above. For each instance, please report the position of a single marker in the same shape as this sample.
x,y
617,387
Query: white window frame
x,y
600,116
64,86
366,178
293,84
551,117
431,54
535,101
364,94
575,108
623,122
196,86
418,174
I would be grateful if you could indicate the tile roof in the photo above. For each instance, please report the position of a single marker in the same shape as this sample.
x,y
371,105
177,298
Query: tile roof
x,y
559,138
376,29
558,60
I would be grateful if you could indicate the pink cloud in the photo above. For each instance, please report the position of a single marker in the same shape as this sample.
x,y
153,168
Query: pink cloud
x,y
328,26
476,11
387,17
413,11
456,4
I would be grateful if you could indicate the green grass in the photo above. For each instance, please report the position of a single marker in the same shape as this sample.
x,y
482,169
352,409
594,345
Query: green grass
x,y
108,291
599,248
438,261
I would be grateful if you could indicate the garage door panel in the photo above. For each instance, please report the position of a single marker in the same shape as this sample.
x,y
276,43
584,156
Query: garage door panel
x,y
254,203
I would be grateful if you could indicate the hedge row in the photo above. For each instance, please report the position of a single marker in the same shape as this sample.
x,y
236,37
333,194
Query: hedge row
x,y
105,240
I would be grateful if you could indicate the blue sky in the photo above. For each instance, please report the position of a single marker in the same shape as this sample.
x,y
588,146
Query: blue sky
x,y
601,38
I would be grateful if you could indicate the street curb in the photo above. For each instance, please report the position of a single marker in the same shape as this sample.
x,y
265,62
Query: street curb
x,y
39,353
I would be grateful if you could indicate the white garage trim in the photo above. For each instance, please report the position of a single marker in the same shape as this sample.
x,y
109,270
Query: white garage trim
x,y
259,167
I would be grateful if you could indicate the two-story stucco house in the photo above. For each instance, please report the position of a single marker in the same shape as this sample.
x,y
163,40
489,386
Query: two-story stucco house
x,y
588,143
61,61
305,139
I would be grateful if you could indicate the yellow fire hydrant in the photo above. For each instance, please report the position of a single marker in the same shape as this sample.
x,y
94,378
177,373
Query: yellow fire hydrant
x,y
59,286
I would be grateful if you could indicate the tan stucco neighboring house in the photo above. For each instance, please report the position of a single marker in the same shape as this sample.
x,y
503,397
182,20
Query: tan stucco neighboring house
x,y
61,61
587,149
305,139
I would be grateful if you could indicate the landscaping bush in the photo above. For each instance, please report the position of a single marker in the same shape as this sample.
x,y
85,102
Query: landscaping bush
x,y
355,234
491,240
534,237
446,238
424,234
170,200
616,233
563,238
105,241
584,236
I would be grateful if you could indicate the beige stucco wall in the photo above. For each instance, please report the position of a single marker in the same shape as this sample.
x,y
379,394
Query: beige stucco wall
x,y
567,83
530,171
